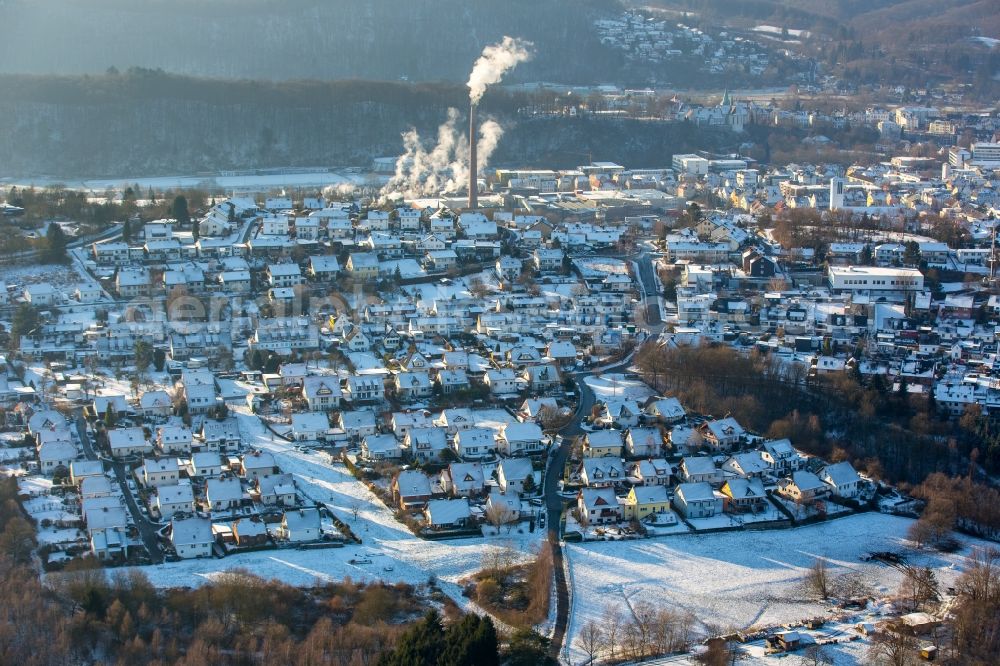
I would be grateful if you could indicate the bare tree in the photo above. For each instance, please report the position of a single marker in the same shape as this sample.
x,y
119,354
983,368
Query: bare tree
x,y
919,587
817,581
499,515
612,625
355,508
590,639
852,585
815,655
893,645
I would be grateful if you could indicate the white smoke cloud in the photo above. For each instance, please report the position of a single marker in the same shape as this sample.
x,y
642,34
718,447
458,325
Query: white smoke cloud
x,y
496,60
445,167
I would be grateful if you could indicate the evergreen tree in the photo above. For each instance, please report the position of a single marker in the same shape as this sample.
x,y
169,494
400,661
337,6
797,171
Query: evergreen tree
x,y
179,210
159,359
109,415
471,642
55,244
151,195
421,645
196,229
127,231
25,321
143,355
528,648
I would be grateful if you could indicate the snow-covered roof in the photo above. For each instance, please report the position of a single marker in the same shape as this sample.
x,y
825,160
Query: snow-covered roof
x,y
191,531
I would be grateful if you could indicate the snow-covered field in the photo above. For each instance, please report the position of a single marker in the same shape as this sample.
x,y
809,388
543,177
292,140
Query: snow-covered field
x,y
395,553
617,386
737,580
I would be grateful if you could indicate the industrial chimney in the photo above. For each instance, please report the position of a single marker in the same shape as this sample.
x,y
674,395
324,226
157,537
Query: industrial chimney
x,y
473,160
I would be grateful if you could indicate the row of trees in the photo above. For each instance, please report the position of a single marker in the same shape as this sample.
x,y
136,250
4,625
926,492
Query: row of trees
x,y
637,631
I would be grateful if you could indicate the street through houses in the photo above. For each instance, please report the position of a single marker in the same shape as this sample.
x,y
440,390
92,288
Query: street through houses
x,y
148,530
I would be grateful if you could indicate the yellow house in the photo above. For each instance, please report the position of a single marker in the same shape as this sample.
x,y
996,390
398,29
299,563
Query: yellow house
x,y
643,501
602,443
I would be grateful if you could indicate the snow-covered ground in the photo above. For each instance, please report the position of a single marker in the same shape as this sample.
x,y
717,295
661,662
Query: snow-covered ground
x,y
774,30
395,553
737,580
617,386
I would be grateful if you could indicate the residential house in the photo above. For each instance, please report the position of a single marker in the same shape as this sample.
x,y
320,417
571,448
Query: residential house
x,y
155,404
842,478
651,472
301,525
173,440
284,275
411,489
192,537
159,472
474,443
602,472
128,442
425,444
513,475
722,434
223,494
455,419
206,464
622,413
542,378
696,500
365,388
321,393
744,496
746,465
601,443
357,423
802,487
520,439
665,410
56,455
643,442
173,499
501,381
377,448
249,532
463,479
219,435
780,456
323,268
700,469
448,514
645,501
258,463
599,506
276,490
310,426
413,385
452,381
363,266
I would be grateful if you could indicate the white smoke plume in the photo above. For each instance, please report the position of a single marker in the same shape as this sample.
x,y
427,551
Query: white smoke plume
x,y
445,167
495,61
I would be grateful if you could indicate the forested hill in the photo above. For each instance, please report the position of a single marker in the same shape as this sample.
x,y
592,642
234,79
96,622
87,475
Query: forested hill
x,y
144,122
422,40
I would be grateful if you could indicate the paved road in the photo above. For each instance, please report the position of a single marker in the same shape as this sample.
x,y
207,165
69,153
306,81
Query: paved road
x,y
147,528
647,284
555,504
